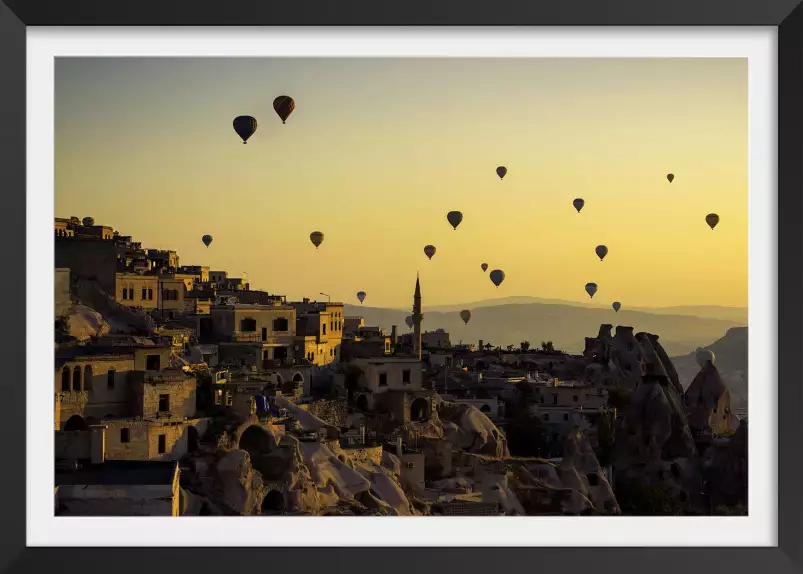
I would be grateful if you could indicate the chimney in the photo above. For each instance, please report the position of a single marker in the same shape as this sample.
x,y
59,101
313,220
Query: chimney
x,y
480,347
305,300
393,335
97,444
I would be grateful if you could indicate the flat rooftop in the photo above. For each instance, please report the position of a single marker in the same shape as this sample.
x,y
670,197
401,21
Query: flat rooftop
x,y
120,472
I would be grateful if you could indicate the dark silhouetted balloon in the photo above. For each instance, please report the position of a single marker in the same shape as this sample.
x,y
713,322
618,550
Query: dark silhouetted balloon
x,y
601,251
591,288
616,306
284,106
429,250
497,276
88,221
484,267
670,177
409,321
712,219
245,126
454,218
465,314
317,238
361,296
207,239
501,171
578,204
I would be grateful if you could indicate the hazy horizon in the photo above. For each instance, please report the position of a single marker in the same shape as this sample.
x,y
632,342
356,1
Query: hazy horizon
x,y
379,150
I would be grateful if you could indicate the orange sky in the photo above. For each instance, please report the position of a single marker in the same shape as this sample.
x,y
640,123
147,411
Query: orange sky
x,y
379,150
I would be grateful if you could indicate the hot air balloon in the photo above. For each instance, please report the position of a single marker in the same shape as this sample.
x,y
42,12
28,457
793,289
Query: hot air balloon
x,y
409,321
501,171
484,267
454,218
712,219
670,177
602,251
591,288
245,126
497,276
578,204
429,250
704,356
465,314
284,106
616,306
361,296
88,221
317,238
207,239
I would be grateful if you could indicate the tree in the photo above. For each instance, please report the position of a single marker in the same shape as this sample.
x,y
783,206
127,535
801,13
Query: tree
x,y
510,348
547,346
488,346
525,346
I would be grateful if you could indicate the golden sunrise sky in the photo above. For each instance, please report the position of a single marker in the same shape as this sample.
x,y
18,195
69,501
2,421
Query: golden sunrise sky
x,y
379,150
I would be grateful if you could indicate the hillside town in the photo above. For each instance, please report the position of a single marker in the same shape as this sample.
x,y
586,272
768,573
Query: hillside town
x,y
185,392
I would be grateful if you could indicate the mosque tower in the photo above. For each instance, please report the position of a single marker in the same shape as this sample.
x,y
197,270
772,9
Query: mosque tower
x,y
417,318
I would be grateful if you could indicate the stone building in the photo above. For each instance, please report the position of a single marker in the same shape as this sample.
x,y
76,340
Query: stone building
x,y
319,331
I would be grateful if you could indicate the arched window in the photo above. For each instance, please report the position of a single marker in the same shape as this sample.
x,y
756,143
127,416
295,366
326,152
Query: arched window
x,y
88,378
76,379
65,380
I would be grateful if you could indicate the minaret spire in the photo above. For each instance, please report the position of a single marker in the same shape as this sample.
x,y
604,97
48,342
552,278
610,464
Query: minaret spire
x,y
417,317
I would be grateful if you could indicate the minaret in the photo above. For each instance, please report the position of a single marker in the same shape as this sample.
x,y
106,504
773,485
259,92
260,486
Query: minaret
x,y
417,318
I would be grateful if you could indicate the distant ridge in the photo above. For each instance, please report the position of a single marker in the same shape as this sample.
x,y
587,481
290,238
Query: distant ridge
x,y
566,325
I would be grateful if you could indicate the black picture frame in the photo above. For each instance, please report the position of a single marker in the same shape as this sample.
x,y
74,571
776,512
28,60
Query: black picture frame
x,y
787,15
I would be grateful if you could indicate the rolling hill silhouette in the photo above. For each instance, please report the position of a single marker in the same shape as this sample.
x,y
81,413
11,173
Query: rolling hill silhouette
x,y
566,325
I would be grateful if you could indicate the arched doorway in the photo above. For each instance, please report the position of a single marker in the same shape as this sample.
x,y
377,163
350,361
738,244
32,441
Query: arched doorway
x,y
255,440
419,409
75,423
485,409
298,378
273,503
362,403
192,439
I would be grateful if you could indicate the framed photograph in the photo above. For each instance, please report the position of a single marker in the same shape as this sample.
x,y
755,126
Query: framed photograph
x,y
486,283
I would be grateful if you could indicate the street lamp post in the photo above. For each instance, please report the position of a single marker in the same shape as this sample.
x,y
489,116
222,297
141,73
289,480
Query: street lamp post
x,y
326,295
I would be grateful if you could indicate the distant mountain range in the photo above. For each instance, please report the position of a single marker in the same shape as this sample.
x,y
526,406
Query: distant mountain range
x,y
735,314
512,320
730,358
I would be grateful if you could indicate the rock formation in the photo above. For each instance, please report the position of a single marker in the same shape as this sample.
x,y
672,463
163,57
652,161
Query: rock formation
x,y
708,404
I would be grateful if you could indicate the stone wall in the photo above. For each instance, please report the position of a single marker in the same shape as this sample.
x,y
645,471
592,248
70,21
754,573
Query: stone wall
x,y
182,398
127,500
62,291
334,412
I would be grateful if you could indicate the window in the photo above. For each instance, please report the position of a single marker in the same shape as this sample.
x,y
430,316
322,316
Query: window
x,y
280,324
152,363
88,378
406,376
331,353
383,379
554,399
125,294
125,435
150,294
566,416
575,398
65,380
324,328
248,325
162,443
164,403
264,333
76,379
144,293
110,379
